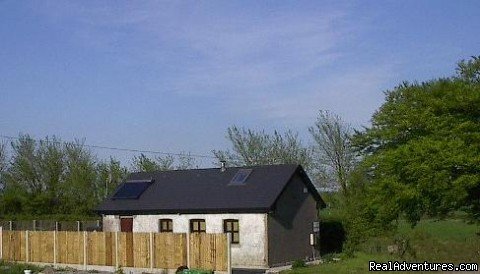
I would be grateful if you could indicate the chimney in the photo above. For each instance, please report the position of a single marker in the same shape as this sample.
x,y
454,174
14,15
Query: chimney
x,y
223,165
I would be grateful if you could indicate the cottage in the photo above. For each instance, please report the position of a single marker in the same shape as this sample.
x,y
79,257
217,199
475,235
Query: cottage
x,y
269,210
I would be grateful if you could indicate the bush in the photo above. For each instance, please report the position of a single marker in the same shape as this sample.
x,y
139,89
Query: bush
x,y
17,268
298,264
332,236
180,269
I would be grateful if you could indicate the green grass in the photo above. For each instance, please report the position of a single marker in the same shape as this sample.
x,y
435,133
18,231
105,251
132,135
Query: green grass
x,y
17,268
451,240
447,230
358,264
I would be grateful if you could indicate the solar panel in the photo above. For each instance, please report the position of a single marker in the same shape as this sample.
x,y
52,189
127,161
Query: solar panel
x,y
240,177
131,189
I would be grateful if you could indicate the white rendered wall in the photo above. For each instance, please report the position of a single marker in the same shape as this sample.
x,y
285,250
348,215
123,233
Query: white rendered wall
x,y
111,223
250,252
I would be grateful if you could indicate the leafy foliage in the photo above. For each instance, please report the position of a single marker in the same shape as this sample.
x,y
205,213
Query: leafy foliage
x,y
422,151
143,163
251,148
333,152
298,264
17,268
45,177
469,70
110,175
50,177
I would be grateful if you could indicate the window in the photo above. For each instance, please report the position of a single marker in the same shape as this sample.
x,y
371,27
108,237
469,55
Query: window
x,y
316,226
131,189
198,225
240,177
166,225
231,226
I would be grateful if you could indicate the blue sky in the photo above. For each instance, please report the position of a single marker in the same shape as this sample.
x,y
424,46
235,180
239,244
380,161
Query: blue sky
x,y
172,76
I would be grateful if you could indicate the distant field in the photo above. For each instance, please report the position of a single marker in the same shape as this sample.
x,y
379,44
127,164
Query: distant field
x,y
450,240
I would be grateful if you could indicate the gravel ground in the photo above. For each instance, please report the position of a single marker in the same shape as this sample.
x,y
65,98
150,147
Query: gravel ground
x,y
50,270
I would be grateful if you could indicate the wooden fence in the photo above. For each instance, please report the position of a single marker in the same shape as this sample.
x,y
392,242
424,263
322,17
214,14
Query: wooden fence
x,y
139,250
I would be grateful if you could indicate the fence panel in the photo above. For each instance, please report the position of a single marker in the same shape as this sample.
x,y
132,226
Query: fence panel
x,y
167,251
40,246
208,251
13,245
125,249
70,247
100,246
141,250
170,250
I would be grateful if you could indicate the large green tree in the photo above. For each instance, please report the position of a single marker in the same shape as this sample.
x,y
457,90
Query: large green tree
x,y
423,148
46,176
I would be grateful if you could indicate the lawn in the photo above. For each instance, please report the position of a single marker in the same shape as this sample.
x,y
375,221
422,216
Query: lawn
x,y
451,240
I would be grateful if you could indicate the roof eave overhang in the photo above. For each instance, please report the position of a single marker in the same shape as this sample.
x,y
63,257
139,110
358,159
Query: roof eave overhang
x,y
180,211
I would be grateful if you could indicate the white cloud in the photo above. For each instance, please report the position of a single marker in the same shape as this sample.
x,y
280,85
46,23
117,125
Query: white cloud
x,y
269,65
354,95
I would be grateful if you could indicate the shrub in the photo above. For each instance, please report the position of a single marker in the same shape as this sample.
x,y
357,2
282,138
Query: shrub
x,y
332,235
17,268
298,264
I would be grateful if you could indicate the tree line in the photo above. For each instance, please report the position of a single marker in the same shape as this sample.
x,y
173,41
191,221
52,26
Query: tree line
x,y
419,157
50,176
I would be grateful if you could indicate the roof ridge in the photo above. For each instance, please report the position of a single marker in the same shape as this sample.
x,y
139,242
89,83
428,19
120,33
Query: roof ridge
x,y
213,168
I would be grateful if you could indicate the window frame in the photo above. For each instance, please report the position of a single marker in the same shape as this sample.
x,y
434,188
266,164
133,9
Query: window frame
x,y
232,231
199,226
169,225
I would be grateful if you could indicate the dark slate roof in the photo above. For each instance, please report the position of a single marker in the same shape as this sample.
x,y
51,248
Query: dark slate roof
x,y
208,191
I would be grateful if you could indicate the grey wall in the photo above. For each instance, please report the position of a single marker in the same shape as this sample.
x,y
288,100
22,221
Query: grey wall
x,y
290,224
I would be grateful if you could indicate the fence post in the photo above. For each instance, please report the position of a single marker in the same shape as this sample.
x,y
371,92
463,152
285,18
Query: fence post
x,y
229,253
26,247
78,226
10,224
188,249
85,250
116,249
1,242
55,245
151,250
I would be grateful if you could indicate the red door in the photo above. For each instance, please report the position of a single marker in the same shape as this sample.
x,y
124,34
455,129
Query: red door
x,y
126,224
